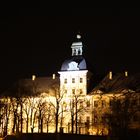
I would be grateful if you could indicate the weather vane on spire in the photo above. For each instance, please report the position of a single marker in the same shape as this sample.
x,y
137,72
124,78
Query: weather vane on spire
x,y
78,36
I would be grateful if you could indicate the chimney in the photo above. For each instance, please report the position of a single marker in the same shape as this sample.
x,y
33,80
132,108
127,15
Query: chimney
x,y
110,75
33,77
126,73
53,76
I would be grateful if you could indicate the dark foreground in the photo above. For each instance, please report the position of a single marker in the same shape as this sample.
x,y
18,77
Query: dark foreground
x,y
44,136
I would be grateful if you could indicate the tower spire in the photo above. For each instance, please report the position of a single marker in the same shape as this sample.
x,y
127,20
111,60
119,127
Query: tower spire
x,y
77,46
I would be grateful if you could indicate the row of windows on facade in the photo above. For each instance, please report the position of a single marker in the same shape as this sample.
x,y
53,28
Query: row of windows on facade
x,y
73,91
73,80
103,103
96,102
103,119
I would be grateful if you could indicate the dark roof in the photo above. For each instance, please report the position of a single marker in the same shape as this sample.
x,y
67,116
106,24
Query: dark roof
x,y
119,83
78,59
40,85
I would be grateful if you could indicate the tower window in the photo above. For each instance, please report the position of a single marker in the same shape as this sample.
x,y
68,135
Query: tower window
x,y
81,80
73,80
73,91
79,52
65,81
74,52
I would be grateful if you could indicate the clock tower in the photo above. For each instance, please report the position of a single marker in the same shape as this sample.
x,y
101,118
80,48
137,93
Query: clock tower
x,y
73,74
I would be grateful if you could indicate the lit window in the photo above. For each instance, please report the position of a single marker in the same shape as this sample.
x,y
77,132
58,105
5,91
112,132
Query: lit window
x,y
73,80
81,91
65,81
81,80
73,91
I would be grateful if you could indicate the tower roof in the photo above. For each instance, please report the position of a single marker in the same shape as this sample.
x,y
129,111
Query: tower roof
x,y
77,61
74,63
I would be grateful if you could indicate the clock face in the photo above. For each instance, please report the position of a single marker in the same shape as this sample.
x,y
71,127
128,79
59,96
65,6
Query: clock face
x,y
73,66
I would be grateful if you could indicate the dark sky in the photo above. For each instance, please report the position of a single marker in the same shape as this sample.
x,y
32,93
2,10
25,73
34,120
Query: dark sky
x,y
38,40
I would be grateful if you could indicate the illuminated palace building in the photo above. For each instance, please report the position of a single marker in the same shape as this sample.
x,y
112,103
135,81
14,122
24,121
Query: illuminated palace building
x,y
62,104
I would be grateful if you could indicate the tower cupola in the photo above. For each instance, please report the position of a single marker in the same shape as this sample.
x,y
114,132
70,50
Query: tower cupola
x,y
77,46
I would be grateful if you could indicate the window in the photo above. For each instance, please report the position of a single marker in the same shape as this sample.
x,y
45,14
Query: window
x,y
65,81
81,104
81,80
95,119
95,103
88,103
73,91
81,91
135,118
111,103
80,119
88,119
133,102
65,91
103,103
73,80
65,106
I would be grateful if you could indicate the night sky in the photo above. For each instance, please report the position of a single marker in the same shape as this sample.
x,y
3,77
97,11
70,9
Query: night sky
x,y
37,40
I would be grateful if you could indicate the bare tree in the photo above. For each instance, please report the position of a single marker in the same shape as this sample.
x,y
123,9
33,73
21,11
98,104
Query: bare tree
x,y
100,107
77,108
48,115
6,111
41,107
123,108
55,103
33,112
15,104
26,109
